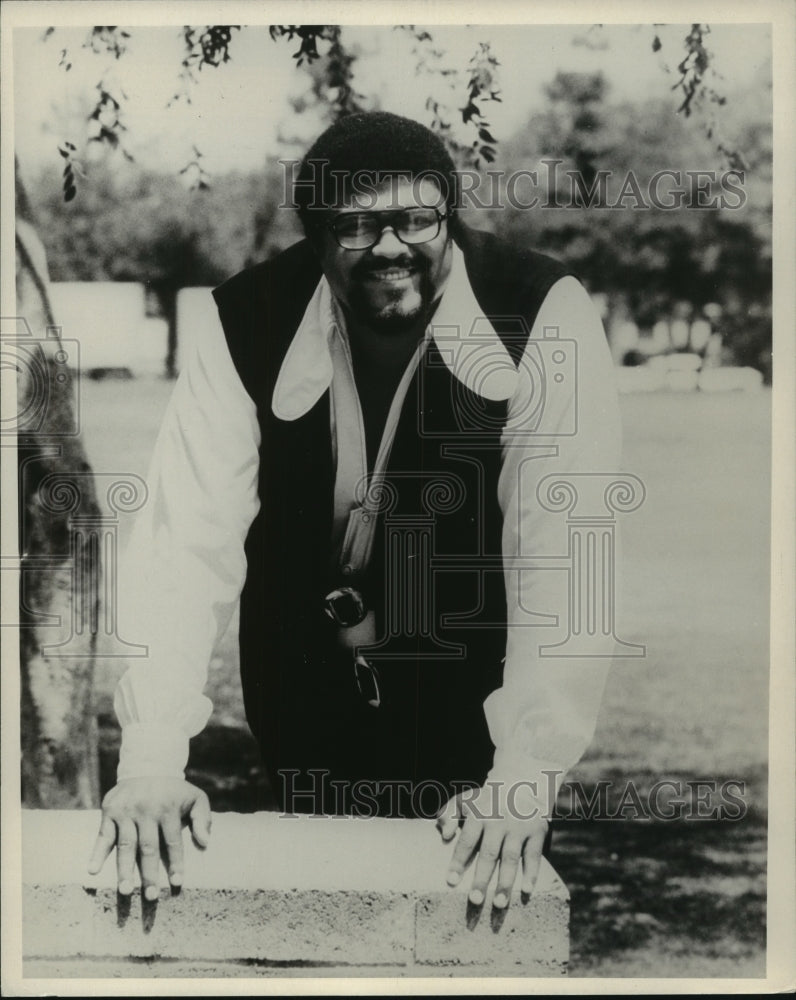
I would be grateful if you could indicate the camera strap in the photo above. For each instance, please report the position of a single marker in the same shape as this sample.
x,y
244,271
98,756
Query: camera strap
x,y
358,497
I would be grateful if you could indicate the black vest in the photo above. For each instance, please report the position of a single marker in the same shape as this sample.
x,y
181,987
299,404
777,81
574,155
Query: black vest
x,y
440,614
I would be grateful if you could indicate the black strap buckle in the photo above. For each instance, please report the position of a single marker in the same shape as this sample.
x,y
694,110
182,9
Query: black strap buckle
x,y
345,606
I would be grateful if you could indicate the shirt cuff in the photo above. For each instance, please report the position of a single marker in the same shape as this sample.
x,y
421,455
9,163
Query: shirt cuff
x,y
150,750
528,787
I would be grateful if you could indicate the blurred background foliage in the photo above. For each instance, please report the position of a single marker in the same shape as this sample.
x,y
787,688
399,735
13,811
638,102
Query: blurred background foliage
x,y
170,230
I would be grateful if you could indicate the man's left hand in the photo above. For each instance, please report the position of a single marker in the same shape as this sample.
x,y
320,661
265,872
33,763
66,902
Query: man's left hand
x,y
501,836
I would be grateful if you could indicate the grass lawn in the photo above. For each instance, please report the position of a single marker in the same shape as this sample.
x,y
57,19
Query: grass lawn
x,y
648,898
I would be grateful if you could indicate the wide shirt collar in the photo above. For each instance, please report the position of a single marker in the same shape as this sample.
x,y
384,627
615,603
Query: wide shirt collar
x,y
466,340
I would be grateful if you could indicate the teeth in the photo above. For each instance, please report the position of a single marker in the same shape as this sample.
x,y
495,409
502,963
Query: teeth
x,y
392,275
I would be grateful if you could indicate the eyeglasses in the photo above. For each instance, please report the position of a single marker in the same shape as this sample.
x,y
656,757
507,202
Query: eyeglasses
x,y
362,230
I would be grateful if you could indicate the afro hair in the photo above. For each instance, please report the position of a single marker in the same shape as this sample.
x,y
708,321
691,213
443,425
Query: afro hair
x,y
362,150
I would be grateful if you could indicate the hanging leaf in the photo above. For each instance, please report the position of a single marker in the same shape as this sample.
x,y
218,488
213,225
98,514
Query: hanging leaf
x,y
469,112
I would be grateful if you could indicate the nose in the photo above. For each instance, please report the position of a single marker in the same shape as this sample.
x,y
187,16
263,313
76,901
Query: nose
x,y
389,245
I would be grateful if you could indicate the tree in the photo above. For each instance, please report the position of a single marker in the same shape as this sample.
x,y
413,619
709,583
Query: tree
x,y
648,257
60,569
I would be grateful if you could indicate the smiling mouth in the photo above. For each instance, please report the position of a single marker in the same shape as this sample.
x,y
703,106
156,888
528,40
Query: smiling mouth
x,y
391,274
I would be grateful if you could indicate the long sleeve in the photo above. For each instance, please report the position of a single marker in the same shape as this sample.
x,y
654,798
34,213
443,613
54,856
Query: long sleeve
x,y
543,717
185,565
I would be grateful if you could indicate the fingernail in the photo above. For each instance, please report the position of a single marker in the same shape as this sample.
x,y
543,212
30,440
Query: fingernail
x,y
125,888
454,878
151,892
476,897
500,901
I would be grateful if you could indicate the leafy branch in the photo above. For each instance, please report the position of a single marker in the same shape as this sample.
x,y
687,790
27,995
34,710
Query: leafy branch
x,y
71,167
308,35
482,85
482,73
339,77
107,116
207,46
337,87
107,112
199,179
696,69
108,39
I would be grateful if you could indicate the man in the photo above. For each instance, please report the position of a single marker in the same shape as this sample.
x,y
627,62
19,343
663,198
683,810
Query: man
x,y
359,452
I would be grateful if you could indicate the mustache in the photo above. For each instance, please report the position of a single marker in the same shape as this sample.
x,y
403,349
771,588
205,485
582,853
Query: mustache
x,y
366,267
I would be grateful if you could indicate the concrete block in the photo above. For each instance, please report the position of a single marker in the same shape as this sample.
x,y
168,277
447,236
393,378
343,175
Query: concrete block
x,y
640,378
679,330
277,892
730,379
225,924
530,937
681,381
679,362
701,331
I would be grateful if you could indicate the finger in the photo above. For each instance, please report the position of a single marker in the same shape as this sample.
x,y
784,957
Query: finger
x,y
448,818
510,854
465,849
531,861
126,843
200,820
171,830
149,857
488,855
103,845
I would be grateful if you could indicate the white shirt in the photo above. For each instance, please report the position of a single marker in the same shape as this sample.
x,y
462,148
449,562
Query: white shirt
x,y
185,565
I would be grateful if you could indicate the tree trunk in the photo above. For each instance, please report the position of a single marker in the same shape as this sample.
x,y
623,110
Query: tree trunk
x,y
60,564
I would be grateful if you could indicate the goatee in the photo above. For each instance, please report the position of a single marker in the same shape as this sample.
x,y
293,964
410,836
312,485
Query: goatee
x,y
395,316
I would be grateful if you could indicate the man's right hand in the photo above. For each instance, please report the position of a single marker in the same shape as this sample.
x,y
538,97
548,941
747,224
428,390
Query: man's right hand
x,y
142,815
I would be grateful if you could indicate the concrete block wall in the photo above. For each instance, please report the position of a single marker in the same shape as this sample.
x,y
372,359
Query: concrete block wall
x,y
280,896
